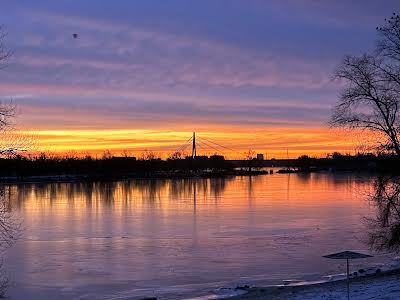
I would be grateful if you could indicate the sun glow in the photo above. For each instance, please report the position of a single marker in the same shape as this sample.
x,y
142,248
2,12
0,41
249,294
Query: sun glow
x,y
274,143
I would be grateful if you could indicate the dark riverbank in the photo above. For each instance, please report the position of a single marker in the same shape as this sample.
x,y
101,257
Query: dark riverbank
x,y
43,168
115,177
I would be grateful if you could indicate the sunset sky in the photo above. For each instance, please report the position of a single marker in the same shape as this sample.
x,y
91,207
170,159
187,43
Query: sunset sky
x,y
145,74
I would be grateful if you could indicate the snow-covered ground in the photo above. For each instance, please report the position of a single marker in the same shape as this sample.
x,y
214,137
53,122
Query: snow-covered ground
x,y
364,288
377,288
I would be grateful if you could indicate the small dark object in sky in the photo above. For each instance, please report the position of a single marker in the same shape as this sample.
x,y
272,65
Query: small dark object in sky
x,y
75,35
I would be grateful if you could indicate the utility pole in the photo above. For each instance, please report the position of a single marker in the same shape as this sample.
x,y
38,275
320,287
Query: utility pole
x,y
194,145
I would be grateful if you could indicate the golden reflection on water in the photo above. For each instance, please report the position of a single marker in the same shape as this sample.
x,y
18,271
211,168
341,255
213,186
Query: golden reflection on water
x,y
60,203
204,230
298,189
275,195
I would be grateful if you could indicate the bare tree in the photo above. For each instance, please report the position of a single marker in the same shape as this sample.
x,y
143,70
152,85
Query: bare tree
x,y
11,141
10,228
177,155
107,155
126,153
249,156
4,52
148,155
9,224
7,111
370,98
384,229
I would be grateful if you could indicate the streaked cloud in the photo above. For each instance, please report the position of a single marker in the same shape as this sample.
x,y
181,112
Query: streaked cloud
x,y
274,143
180,66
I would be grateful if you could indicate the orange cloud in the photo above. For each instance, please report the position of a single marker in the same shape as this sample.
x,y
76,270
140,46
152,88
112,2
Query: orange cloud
x,y
272,142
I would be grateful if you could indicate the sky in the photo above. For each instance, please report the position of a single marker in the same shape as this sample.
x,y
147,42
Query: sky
x,y
145,74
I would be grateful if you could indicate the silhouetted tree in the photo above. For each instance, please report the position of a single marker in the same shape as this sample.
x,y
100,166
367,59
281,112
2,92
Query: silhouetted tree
x,y
106,155
9,224
370,99
384,228
126,153
7,111
176,155
250,157
148,155
9,232
8,227
10,141
304,163
4,52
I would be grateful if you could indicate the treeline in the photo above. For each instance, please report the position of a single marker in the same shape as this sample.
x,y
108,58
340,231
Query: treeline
x,y
346,162
42,165
108,165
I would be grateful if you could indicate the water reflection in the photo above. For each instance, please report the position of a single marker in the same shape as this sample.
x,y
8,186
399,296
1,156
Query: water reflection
x,y
384,227
150,192
9,232
159,233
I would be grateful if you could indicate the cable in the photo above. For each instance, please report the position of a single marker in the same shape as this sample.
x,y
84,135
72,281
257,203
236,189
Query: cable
x,y
219,145
187,143
209,146
184,148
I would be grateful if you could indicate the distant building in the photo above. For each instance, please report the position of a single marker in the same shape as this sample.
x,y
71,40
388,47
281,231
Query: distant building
x,y
260,156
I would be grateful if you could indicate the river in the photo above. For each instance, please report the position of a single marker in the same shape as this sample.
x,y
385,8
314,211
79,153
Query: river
x,y
182,237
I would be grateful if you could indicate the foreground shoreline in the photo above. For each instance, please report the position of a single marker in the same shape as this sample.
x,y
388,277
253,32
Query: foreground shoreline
x,y
384,285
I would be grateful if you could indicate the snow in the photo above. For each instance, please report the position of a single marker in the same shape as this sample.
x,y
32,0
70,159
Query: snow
x,y
377,288
381,286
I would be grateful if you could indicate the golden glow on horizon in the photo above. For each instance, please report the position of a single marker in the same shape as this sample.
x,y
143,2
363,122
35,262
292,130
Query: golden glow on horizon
x,y
273,142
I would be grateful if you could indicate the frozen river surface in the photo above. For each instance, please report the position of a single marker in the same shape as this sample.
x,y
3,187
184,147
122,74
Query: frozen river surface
x,y
180,238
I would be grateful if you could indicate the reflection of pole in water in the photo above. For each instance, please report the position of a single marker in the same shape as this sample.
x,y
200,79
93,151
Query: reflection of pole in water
x,y
194,197
250,191
288,188
194,234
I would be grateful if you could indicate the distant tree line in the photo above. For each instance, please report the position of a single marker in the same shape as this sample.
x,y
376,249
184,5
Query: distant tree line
x,y
109,165
386,163
42,164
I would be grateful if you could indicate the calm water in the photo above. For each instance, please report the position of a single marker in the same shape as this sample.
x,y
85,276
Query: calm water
x,y
170,237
